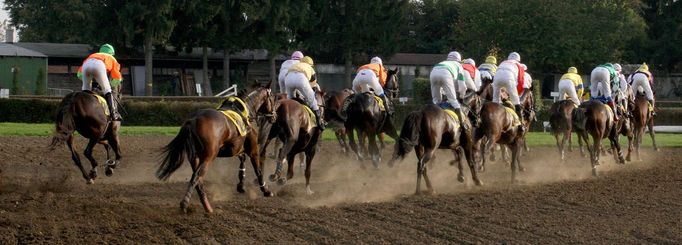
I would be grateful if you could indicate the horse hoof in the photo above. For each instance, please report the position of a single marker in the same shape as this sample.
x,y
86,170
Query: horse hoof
x,y
281,181
522,169
272,178
594,172
90,181
308,191
460,178
109,171
93,174
478,182
240,189
268,194
628,159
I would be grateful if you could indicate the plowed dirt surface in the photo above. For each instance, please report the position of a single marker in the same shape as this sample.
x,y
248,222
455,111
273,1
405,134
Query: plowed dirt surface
x,y
43,199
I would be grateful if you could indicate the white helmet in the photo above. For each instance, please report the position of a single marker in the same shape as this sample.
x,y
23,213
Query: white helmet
x,y
525,68
454,56
617,67
376,60
470,61
514,56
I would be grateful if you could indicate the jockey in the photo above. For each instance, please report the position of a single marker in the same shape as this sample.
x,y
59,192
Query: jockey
x,y
295,58
373,76
473,78
604,74
642,78
443,76
95,67
571,84
300,77
488,68
528,80
511,76
622,93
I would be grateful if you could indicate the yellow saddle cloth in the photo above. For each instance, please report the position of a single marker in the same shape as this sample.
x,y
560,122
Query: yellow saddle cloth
x,y
453,115
237,120
380,102
102,102
651,107
610,112
311,114
511,114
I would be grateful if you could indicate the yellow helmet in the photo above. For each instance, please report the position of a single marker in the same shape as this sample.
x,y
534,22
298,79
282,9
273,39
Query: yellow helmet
x,y
572,69
491,60
643,67
307,60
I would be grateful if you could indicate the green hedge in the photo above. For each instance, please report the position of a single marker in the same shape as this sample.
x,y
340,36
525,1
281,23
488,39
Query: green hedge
x,y
173,113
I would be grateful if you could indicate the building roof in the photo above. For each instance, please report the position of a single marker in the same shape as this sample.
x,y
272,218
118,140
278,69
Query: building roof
x,y
415,59
69,50
10,49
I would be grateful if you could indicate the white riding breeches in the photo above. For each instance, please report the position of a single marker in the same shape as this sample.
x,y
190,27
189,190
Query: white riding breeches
x,y
505,78
94,69
641,82
600,75
566,88
441,78
298,81
366,80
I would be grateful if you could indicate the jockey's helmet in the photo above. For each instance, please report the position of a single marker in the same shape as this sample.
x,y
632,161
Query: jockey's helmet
x,y
491,60
470,61
376,60
643,67
297,55
514,56
107,49
307,60
454,56
617,67
525,68
572,69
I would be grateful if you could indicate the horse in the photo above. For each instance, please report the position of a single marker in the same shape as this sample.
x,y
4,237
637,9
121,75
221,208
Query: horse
x,y
364,116
334,103
486,89
642,118
429,129
293,127
561,121
84,113
497,126
210,134
599,123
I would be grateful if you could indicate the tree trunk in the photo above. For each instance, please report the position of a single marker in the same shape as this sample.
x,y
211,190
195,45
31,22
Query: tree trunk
x,y
204,72
273,70
348,68
226,68
148,66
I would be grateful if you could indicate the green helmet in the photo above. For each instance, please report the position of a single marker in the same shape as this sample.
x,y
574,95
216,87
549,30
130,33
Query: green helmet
x,y
107,49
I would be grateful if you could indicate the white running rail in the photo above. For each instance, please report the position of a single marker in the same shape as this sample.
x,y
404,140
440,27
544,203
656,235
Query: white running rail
x,y
231,91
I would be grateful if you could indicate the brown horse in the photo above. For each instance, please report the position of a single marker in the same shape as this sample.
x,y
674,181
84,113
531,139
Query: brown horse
x,y
293,127
561,121
365,117
334,103
497,126
599,123
210,134
427,130
82,112
642,118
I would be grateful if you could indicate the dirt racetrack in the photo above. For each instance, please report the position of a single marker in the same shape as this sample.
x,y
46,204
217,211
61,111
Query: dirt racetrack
x,y
43,199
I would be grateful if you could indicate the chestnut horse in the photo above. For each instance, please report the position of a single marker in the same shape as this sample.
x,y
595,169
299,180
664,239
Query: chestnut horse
x,y
497,126
293,127
210,134
334,103
561,121
599,123
82,112
642,118
429,129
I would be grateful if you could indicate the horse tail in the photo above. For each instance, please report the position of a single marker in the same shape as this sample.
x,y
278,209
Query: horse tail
x,y
186,142
409,134
64,123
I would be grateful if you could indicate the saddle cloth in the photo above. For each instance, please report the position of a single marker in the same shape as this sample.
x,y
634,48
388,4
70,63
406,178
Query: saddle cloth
x,y
380,102
237,120
102,102
610,112
512,116
454,116
311,117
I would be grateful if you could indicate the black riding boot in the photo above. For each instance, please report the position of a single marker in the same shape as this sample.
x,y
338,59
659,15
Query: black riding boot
x,y
320,122
461,116
113,113
387,104
519,112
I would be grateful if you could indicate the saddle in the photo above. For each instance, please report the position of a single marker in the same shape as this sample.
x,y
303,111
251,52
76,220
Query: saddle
x,y
447,108
101,100
311,114
235,110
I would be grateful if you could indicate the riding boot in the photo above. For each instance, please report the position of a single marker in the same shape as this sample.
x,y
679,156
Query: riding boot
x,y
320,122
615,112
461,116
113,113
519,112
653,106
387,104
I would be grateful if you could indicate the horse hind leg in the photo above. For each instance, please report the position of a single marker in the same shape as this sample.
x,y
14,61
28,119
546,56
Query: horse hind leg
x,y
115,146
242,173
76,159
419,151
425,160
374,151
93,161
650,125
309,155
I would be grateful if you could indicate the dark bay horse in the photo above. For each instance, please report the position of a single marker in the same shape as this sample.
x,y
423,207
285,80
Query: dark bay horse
x,y
365,117
642,118
82,112
561,121
599,123
332,114
427,130
497,126
293,126
210,134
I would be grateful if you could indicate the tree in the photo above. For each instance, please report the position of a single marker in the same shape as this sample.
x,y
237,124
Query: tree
x,y
665,33
146,22
234,25
430,25
67,21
